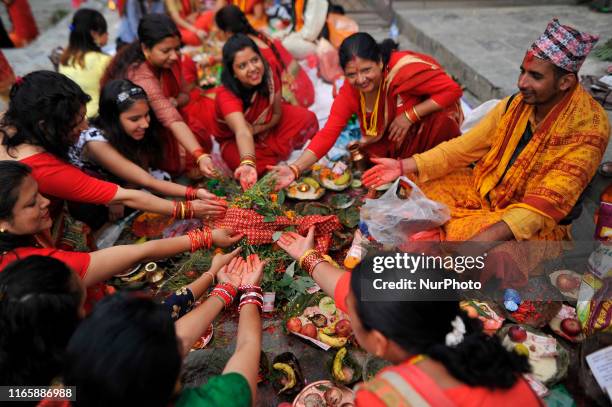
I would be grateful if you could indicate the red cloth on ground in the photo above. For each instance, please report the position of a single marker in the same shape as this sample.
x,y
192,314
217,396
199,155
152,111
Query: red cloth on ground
x,y
413,83
24,26
252,225
161,85
296,126
58,179
77,261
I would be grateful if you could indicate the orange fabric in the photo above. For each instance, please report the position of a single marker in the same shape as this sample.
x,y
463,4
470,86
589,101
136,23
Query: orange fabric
x,y
385,395
342,290
409,79
24,26
298,8
340,27
558,163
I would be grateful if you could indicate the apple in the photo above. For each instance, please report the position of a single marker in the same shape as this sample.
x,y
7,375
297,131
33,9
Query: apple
x,y
517,334
566,282
571,326
309,330
294,324
343,328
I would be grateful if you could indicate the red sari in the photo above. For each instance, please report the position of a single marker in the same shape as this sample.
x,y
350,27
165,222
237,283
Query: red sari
x,y
203,20
7,76
161,85
24,25
297,88
409,79
296,126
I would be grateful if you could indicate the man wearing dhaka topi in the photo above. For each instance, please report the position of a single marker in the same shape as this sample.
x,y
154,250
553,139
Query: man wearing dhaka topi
x,y
534,155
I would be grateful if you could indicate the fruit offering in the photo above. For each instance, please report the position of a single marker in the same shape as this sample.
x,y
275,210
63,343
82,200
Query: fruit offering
x,y
322,321
287,377
305,189
336,178
325,393
344,368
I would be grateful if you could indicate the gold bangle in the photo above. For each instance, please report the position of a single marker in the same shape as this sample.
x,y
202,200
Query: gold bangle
x,y
295,170
249,163
408,117
303,256
416,113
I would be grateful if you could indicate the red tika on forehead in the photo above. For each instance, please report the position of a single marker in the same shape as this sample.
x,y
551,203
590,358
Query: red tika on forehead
x,y
529,56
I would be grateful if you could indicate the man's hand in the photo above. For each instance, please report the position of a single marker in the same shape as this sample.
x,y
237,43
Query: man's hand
x,y
387,170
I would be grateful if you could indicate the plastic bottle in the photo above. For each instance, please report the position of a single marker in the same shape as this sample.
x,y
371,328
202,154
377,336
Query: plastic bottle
x,y
356,252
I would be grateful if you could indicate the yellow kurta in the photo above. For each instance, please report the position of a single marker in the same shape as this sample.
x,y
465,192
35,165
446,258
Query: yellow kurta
x,y
444,175
537,191
88,77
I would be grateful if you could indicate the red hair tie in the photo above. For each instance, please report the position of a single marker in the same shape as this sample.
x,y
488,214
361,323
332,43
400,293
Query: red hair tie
x,y
18,80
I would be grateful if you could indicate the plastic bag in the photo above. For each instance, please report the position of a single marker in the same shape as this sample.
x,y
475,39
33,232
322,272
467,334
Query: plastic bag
x,y
392,220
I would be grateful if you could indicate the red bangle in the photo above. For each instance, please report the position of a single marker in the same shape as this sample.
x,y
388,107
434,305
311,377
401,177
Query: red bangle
x,y
229,287
200,238
191,193
412,116
197,152
245,302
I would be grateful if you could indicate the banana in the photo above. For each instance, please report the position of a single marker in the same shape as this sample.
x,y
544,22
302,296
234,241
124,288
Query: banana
x,y
337,365
287,370
331,328
136,277
334,342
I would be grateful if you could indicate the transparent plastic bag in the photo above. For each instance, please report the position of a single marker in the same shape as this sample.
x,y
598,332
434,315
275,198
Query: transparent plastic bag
x,y
392,220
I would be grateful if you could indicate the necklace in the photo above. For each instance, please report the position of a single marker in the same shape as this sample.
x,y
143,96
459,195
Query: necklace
x,y
416,359
371,129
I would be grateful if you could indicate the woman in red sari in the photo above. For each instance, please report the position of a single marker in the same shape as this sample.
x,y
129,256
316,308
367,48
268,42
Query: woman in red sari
x,y
297,88
192,23
24,25
255,128
440,357
405,103
154,64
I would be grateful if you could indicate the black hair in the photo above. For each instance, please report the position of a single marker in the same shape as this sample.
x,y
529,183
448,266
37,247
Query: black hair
x,y
231,19
560,72
146,152
364,46
152,29
124,354
235,44
39,311
81,41
12,175
43,110
419,325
